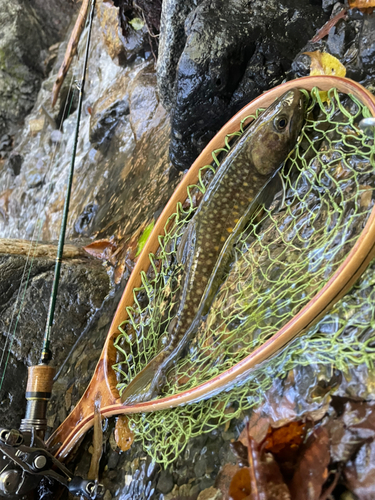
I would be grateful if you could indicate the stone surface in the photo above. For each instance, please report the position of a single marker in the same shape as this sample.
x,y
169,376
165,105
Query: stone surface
x,y
228,60
210,494
108,110
23,312
28,29
144,101
165,482
171,44
367,45
110,28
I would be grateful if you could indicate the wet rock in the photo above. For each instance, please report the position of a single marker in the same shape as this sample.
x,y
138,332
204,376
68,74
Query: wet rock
x,y
328,4
200,467
5,144
367,44
107,495
171,44
143,100
108,110
83,287
14,163
184,492
210,494
207,481
165,482
111,32
352,41
336,41
113,460
84,284
140,24
27,31
230,59
56,136
35,177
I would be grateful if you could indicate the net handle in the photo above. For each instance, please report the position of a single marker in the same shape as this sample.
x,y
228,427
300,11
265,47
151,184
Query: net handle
x,y
103,383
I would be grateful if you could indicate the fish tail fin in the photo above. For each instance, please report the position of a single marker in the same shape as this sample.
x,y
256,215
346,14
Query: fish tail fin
x,y
144,385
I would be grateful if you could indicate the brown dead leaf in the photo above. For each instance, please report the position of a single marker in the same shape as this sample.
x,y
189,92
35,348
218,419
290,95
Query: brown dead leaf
x,y
289,436
224,479
101,249
239,487
365,6
312,469
267,482
360,473
285,443
258,428
123,435
366,195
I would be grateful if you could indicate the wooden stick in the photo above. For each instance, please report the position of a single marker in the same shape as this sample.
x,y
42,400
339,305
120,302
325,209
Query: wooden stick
x,y
46,250
71,50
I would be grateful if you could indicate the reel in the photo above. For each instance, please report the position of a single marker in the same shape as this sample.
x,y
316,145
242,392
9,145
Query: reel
x,y
25,458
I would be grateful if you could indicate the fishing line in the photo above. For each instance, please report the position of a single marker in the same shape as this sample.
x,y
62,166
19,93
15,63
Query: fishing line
x,y
9,338
34,242
46,353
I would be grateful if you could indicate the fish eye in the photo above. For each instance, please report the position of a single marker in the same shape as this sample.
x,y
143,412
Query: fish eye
x,y
280,123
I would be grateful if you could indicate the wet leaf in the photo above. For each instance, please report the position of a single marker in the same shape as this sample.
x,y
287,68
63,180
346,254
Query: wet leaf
x,y
267,482
142,240
359,416
224,478
312,469
284,443
239,487
101,249
323,63
240,451
349,431
137,23
363,5
123,435
360,473
286,437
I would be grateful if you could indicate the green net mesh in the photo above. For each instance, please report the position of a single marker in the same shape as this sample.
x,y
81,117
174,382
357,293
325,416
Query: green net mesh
x,y
290,249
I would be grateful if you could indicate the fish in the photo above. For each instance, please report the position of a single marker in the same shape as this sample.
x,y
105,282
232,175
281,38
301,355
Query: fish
x,y
205,245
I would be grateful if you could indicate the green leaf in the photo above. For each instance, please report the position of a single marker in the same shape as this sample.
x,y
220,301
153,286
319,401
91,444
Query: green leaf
x,y
137,23
144,237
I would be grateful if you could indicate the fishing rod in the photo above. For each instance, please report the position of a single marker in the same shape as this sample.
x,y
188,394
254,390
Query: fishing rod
x,y
27,458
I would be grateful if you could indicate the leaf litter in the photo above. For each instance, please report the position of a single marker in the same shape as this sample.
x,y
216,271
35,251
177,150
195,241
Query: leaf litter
x,y
317,456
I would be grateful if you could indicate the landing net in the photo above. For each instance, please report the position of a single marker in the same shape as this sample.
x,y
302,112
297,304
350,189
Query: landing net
x,y
288,252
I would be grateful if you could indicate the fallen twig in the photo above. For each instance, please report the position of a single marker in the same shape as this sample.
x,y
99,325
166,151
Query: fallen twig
x,y
328,25
70,50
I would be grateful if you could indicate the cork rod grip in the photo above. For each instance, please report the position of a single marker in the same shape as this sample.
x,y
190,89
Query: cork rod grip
x,y
40,381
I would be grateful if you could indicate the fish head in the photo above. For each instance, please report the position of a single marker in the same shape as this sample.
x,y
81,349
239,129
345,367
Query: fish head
x,y
276,131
